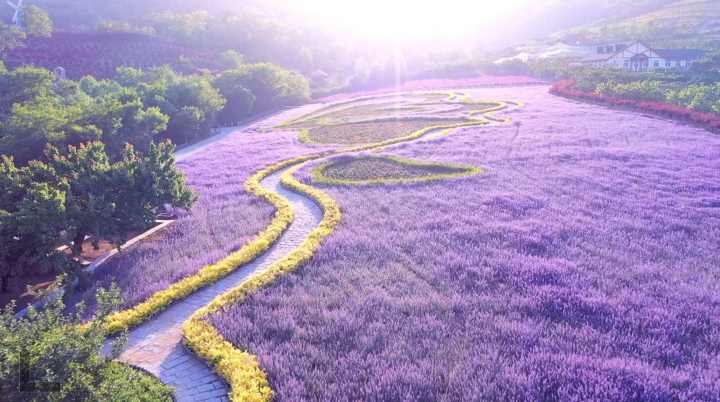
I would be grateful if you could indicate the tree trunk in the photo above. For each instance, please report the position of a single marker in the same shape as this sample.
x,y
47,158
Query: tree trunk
x,y
78,243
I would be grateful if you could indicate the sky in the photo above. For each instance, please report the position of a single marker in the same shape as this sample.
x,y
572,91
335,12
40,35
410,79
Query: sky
x,y
409,21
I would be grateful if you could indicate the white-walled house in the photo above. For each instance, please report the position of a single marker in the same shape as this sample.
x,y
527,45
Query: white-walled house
x,y
641,57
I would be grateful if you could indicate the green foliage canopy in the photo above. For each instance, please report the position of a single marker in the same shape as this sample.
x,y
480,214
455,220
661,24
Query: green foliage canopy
x,y
48,356
37,21
80,193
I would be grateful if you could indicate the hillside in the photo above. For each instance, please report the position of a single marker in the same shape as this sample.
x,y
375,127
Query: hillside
x,y
685,22
86,14
538,19
100,54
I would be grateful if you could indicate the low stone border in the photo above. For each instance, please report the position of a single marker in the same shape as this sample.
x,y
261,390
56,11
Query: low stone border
x,y
90,269
161,224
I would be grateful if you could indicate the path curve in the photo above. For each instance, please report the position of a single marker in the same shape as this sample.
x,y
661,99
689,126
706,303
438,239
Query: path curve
x,y
157,345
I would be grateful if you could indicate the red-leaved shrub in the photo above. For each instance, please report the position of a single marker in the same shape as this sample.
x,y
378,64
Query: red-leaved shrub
x,y
568,89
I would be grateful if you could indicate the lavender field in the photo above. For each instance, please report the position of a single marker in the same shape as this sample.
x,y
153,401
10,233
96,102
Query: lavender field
x,y
224,219
583,265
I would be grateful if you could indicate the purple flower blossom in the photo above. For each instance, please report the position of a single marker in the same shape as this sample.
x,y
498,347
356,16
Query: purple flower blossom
x,y
222,221
582,266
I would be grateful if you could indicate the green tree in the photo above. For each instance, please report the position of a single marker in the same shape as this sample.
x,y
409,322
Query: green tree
x,y
105,198
81,193
144,183
11,37
273,86
240,100
191,102
37,21
90,206
38,110
121,115
60,360
186,124
231,59
46,120
23,85
184,27
32,206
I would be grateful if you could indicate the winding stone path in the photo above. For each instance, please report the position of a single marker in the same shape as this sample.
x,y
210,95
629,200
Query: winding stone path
x,y
157,346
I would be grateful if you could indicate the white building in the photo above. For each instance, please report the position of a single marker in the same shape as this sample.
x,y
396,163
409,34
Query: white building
x,y
641,57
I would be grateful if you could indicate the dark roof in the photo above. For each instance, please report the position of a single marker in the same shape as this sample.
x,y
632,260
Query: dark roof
x,y
680,54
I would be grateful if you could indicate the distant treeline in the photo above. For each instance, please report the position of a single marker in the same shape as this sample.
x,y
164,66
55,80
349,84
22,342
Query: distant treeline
x,y
135,107
240,26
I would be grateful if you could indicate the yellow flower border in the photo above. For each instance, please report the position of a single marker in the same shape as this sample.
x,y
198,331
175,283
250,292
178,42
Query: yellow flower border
x,y
487,115
319,112
284,215
159,301
319,173
241,369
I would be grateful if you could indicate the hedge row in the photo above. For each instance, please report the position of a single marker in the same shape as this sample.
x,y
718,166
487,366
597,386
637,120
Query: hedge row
x,y
710,121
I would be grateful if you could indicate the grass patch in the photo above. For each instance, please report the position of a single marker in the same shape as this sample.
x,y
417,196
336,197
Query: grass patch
x,y
374,170
368,133
125,383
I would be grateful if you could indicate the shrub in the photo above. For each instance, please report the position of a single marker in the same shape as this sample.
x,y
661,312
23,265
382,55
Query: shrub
x,y
640,90
37,21
711,121
240,100
49,356
705,98
272,85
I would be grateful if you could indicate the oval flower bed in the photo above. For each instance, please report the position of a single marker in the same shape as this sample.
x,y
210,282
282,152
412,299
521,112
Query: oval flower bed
x,y
374,170
368,133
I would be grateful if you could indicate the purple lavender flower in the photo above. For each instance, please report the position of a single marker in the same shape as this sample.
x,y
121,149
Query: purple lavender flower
x,y
582,266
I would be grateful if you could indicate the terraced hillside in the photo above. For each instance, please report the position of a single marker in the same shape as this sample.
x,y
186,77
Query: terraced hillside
x,y
685,21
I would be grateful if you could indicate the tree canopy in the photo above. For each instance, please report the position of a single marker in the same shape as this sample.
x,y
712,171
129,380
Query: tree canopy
x,y
37,21
81,193
57,359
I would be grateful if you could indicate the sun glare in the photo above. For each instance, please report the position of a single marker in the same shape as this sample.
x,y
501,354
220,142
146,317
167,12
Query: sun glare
x,y
407,20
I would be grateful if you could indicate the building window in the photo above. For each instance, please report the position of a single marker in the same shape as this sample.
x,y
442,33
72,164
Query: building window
x,y
657,63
